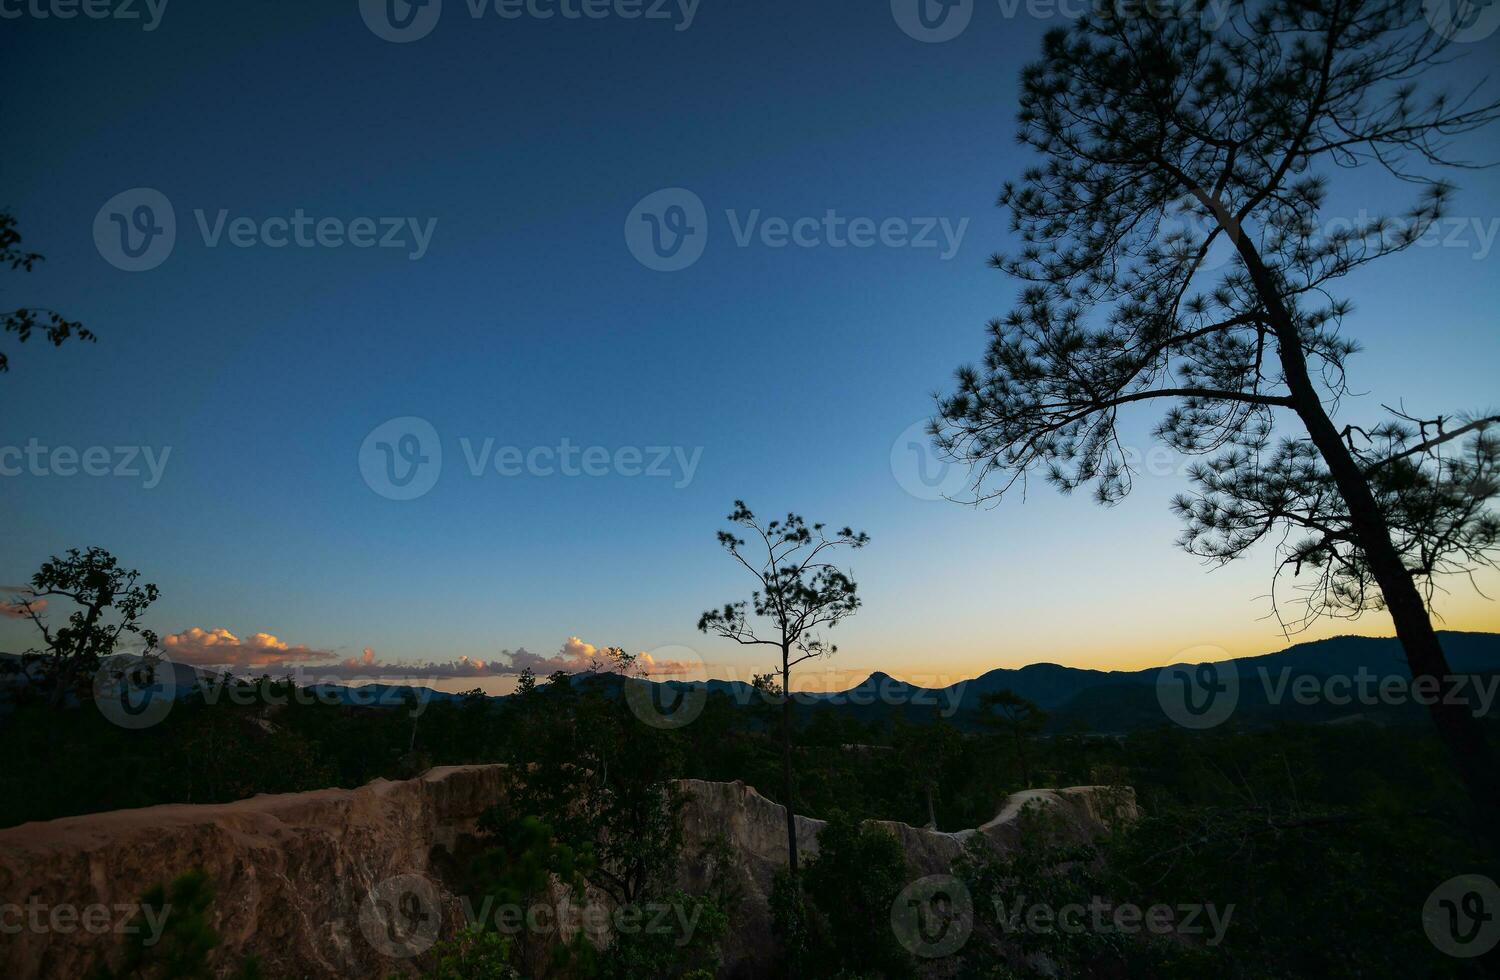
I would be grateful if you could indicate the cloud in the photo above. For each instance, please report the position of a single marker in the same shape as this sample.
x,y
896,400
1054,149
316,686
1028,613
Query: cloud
x,y
573,657
262,651
667,668
221,648
368,666
576,657
364,660
14,610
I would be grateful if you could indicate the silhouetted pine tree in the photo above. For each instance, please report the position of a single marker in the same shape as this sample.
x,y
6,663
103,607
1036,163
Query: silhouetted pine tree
x,y
1164,138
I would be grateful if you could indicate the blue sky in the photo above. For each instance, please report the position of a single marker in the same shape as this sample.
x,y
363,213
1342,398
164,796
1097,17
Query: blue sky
x,y
524,145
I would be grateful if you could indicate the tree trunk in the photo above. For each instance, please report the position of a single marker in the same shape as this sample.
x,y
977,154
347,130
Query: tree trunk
x,y
63,682
786,765
1456,725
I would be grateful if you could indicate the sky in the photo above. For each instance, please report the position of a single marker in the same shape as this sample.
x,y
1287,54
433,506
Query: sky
x,y
393,243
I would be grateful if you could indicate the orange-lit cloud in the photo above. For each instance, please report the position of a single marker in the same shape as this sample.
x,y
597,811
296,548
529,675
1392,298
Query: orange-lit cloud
x,y
368,666
221,648
365,659
666,668
576,657
16,610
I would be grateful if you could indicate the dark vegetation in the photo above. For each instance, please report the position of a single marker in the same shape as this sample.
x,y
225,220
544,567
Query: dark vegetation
x,y
1241,817
1238,818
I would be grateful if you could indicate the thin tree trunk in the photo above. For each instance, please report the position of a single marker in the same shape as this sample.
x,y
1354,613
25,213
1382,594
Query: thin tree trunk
x,y
786,765
1456,725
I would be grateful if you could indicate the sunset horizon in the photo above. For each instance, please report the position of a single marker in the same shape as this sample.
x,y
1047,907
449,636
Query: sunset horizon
x,y
683,490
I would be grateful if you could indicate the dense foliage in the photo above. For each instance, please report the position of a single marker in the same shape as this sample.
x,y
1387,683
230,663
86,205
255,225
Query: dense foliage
x,y
1241,818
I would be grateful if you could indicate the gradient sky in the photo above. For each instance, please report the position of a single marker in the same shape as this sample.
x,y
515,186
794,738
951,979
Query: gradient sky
x,y
528,321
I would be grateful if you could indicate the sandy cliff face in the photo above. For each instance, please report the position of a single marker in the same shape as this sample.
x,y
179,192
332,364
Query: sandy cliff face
x,y
291,871
755,829
340,883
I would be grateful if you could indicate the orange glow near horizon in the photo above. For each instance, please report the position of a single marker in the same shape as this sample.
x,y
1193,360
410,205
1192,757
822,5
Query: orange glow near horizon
x,y
841,673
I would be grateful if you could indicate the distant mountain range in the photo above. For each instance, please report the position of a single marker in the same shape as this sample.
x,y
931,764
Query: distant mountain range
x,y
1077,699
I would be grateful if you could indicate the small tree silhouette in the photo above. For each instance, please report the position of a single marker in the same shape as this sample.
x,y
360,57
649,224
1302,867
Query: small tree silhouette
x,y
798,592
108,604
1008,712
1146,121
